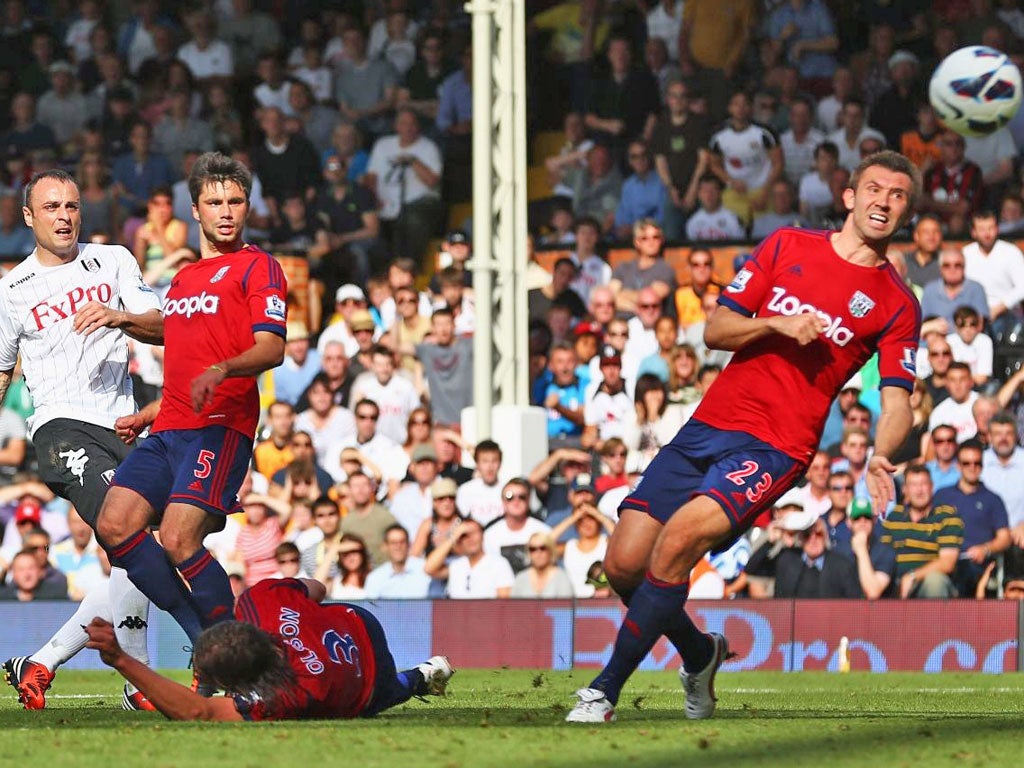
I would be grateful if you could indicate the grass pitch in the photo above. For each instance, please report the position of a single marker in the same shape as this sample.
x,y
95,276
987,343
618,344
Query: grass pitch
x,y
514,718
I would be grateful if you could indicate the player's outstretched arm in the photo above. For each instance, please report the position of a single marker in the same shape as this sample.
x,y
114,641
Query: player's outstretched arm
x,y
147,327
175,701
729,330
894,425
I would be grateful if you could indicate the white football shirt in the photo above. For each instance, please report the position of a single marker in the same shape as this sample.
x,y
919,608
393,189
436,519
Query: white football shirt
x,y
69,375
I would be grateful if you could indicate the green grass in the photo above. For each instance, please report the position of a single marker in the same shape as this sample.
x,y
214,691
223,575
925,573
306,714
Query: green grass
x,y
514,718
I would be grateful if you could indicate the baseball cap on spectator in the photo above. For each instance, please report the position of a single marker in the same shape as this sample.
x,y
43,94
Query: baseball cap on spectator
x,y
443,487
610,354
791,498
457,237
861,507
296,331
349,291
901,56
855,382
795,522
424,452
61,66
361,320
29,510
584,327
582,482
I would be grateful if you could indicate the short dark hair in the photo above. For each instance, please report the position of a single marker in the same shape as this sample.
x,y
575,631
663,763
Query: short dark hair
x,y
364,402
897,163
286,548
965,312
396,527
487,446
325,501
215,167
57,174
1003,417
972,444
917,469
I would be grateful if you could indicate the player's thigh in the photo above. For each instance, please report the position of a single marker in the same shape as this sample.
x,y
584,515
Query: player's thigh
x,y
629,547
78,461
147,472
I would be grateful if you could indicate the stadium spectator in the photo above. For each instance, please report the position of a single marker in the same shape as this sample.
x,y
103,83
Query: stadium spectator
x,y
658,63
998,265
920,143
875,560
328,423
289,563
923,262
335,366
78,558
363,87
159,244
287,164
953,187
643,193
178,131
597,188
274,451
262,531
327,518
816,492
474,573
781,211
367,518
678,139
394,395
586,547
986,527
226,123
447,363
594,270
1001,471
926,537
894,108
405,171
955,410
970,345
26,581
350,212
26,132
353,566
373,449
480,498
62,109
400,576
810,569
651,424
855,130
612,465
571,160
943,469
746,158
622,103
608,407
840,495
455,125
940,357
101,213
712,220
543,577
412,503
712,45
564,397
803,32
659,362
140,171
558,291
508,535
648,270
421,83
993,154
250,33
206,56
301,365
800,142
37,541
942,297
16,240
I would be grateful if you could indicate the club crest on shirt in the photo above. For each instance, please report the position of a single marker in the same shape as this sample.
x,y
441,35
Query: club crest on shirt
x,y
275,308
91,265
860,304
739,283
220,273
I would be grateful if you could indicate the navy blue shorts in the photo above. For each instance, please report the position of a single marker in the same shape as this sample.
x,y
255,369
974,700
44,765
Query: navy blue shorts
x,y
387,690
202,467
743,474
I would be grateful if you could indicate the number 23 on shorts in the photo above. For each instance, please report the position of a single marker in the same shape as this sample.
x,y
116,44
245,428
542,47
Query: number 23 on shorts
x,y
759,487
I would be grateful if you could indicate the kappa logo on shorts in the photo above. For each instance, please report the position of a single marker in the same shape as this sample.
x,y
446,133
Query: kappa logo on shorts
x,y
76,461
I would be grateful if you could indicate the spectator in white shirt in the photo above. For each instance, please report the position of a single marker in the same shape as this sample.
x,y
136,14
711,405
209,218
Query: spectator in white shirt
x,y
997,264
509,535
402,576
969,345
713,221
480,498
955,410
474,573
395,396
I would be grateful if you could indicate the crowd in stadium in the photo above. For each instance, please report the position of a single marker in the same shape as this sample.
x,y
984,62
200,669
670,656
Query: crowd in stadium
x,y
695,123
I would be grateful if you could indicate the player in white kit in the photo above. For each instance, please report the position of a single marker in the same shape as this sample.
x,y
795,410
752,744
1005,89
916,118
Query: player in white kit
x,y
67,311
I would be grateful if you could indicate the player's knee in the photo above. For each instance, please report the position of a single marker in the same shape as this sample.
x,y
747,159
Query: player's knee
x,y
624,574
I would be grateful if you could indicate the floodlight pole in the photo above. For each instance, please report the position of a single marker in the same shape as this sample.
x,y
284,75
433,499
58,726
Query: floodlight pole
x,y
500,350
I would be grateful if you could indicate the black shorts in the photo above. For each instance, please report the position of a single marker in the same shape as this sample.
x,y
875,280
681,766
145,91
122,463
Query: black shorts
x,y
77,461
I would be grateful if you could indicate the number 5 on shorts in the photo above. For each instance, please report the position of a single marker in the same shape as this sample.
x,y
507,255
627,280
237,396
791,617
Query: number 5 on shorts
x,y
205,462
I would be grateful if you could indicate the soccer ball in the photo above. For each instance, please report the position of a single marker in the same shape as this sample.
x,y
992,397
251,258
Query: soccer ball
x,y
976,90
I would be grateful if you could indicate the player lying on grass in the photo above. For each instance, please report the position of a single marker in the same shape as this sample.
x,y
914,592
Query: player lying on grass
x,y
286,657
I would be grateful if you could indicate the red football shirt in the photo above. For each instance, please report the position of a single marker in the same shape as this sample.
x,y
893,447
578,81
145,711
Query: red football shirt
x,y
327,647
211,313
780,392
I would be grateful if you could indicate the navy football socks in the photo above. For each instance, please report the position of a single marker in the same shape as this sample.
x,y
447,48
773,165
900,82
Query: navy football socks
x,y
652,609
211,588
149,569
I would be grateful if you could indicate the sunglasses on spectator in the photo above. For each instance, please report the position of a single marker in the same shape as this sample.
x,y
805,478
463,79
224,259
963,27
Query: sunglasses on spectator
x,y
967,324
538,549
650,237
838,488
649,306
302,444
700,264
421,422
970,463
941,440
509,496
617,334
953,265
350,301
940,353
406,300
37,547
